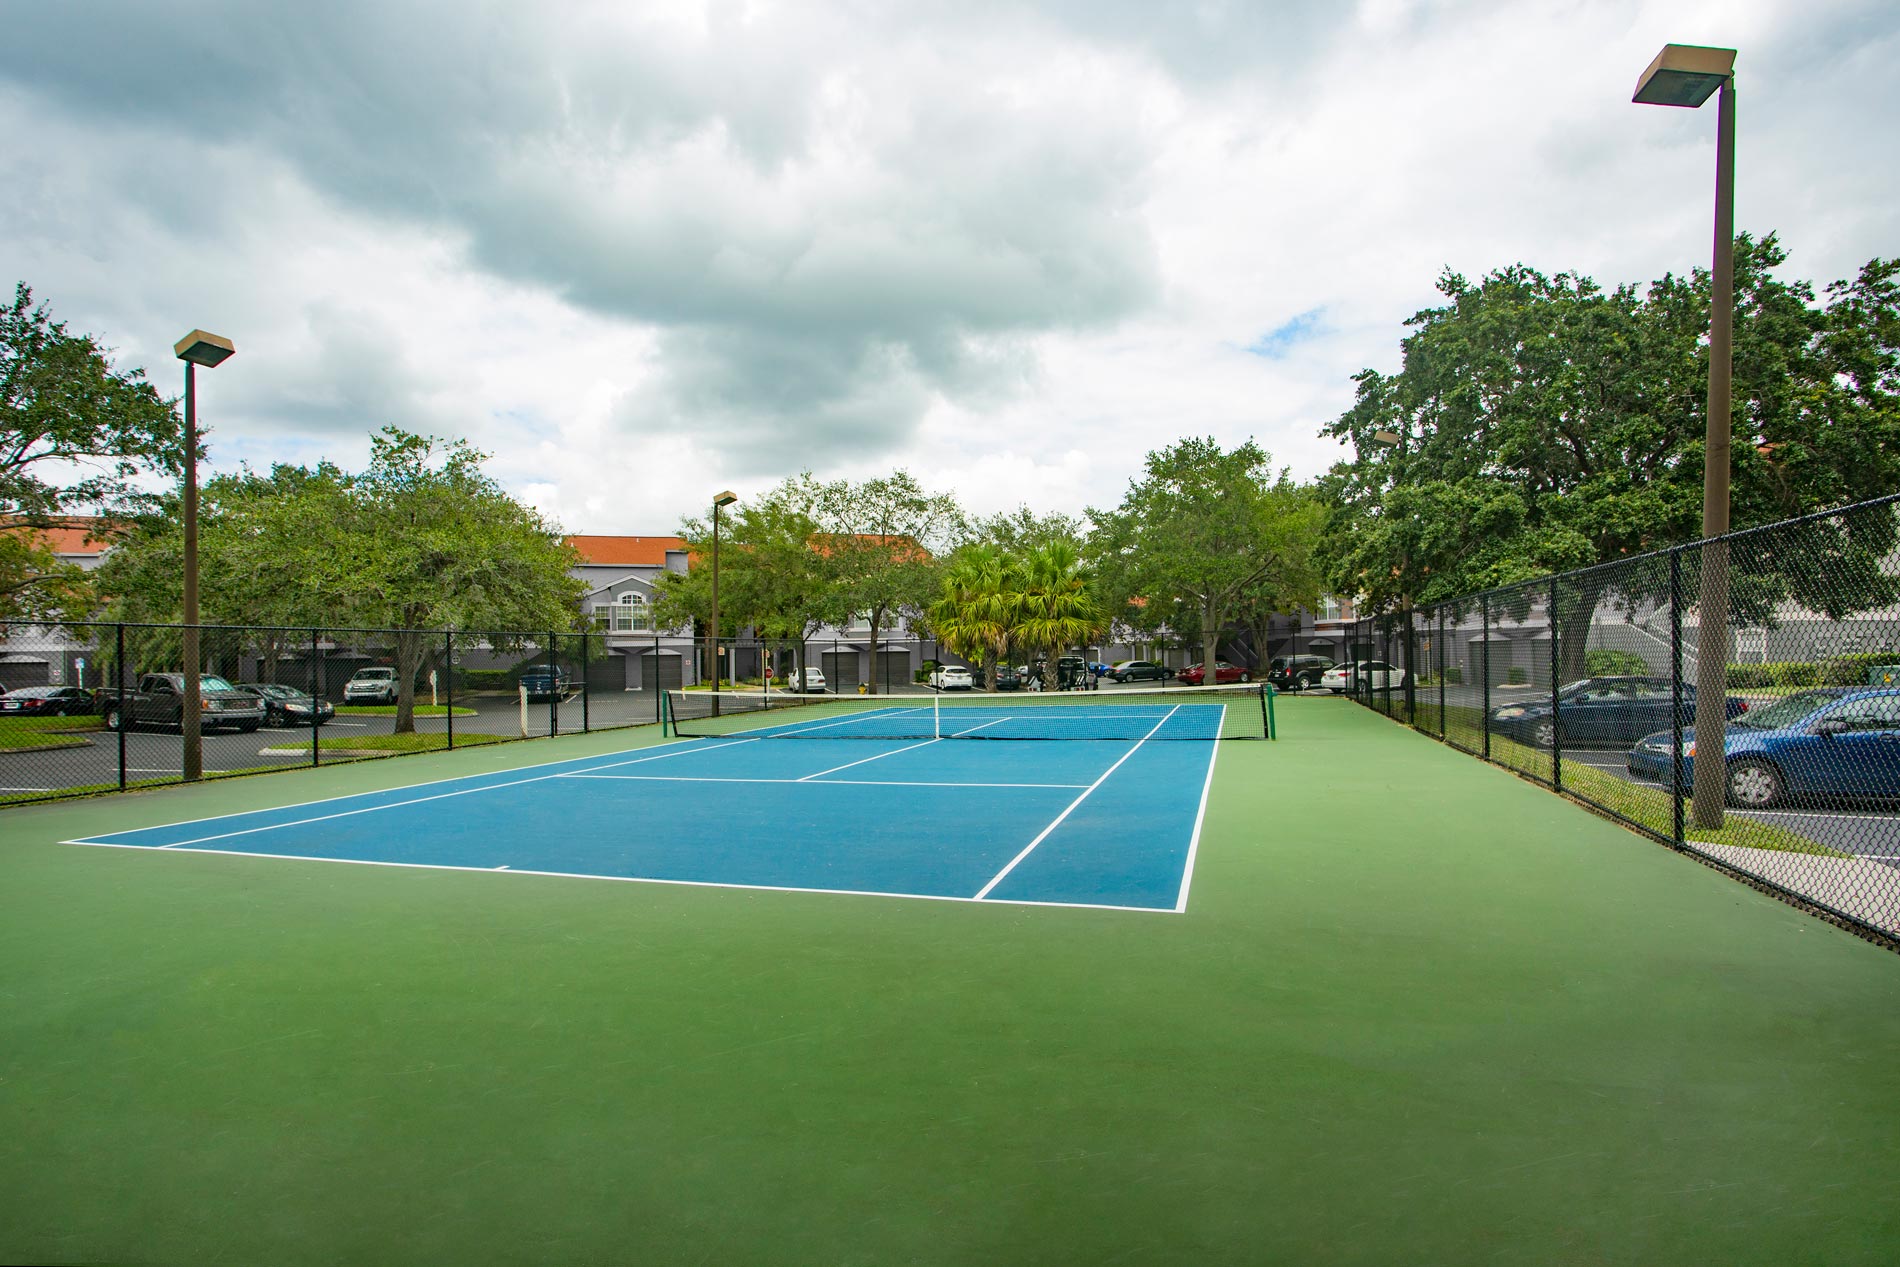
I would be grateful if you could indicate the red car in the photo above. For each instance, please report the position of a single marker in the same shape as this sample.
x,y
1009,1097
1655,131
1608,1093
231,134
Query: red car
x,y
1223,674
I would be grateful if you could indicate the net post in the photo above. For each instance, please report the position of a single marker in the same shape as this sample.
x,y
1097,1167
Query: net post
x,y
1266,700
666,710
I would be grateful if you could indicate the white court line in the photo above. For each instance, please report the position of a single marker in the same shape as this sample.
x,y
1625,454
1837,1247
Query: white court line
x,y
997,879
972,730
637,879
371,809
690,778
357,796
1200,815
867,760
843,721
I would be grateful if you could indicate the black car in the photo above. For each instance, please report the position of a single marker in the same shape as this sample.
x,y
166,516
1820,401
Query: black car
x,y
47,701
1297,672
1007,678
1599,712
286,705
1139,671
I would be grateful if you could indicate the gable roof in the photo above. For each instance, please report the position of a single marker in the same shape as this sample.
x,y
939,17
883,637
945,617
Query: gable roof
x,y
636,552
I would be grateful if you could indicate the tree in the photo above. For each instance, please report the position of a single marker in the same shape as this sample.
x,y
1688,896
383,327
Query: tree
x,y
1545,424
771,579
976,615
1054,609
881,539
424,540
251,534
64,409
1194,537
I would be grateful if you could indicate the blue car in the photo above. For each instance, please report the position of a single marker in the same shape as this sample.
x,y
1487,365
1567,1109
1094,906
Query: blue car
x,y
1599,712
1822,744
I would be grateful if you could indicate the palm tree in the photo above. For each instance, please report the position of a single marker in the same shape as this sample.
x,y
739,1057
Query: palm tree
x,y
1054,609
973,616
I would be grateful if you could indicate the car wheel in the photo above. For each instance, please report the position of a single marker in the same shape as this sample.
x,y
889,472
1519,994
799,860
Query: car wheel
x,y
115,719
1754,784
1246,677
1544,734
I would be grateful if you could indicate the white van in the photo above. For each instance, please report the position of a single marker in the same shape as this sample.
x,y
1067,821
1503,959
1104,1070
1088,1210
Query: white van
x,y
812,683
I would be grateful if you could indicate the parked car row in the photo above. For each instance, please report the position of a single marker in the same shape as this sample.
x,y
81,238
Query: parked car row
x,y
1376,674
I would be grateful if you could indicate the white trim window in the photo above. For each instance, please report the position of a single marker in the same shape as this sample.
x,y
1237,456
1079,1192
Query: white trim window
x,y
629,613
1328,608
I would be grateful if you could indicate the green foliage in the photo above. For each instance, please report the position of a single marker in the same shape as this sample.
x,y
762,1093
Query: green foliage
x,y
75,434
1205,534
1845,670
1545,424
1515,676
1605,662
770,578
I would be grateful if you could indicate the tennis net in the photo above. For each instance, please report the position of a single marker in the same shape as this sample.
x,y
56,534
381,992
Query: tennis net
x,y
1192,712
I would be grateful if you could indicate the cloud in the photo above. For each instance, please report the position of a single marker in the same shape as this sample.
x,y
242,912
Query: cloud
x,y
631,249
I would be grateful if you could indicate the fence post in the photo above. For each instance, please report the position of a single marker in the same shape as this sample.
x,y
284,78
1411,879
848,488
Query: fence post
x,y
448,677
316,684
1675,691
659,687
124,707
586,722
1484,670
1444,663
1556,705
1411,668
554,686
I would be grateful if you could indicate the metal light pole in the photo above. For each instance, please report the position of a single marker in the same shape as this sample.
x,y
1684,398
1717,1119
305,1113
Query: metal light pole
x,y
209,350
1687,75
722,499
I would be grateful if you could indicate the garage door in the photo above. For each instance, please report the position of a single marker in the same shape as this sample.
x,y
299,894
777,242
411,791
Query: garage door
x,y
659,671
893,669
841,670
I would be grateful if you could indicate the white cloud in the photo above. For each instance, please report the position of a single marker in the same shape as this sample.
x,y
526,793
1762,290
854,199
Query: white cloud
x,y
640,252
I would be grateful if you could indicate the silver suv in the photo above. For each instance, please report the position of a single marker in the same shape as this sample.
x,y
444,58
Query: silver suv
x,y
371,686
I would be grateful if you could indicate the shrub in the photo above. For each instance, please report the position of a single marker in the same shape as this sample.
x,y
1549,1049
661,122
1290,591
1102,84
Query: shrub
x,y
488,679
1454,674
1605,662
1515,676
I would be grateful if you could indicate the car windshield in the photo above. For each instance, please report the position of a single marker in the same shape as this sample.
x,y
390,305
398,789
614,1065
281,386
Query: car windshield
x,y
1784,712
211,683
276,691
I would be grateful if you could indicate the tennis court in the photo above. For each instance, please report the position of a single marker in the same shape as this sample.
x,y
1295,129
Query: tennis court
x,y
875,798
1416,1010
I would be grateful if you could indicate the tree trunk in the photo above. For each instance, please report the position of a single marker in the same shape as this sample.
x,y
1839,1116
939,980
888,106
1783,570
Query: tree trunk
x,y
409,648
1570,624
989,671
1210,640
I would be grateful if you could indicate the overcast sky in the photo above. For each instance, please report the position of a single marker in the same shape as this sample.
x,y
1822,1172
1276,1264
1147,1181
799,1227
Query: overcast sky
x,y
644,252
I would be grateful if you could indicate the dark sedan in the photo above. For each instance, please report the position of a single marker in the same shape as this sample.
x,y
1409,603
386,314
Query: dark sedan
x,y
286,705
1139,671
1007,678
1599,712
47,701
1823,744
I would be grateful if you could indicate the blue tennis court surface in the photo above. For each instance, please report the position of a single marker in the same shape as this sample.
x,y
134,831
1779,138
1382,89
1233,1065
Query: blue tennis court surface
x,y
1099,823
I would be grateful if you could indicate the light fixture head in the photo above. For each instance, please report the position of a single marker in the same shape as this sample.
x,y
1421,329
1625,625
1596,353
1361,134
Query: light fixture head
x,y
726,498
201,347
1684,75
1390,439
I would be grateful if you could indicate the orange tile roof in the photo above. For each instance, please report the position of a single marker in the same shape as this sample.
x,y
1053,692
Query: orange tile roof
x,y
647,552
78,534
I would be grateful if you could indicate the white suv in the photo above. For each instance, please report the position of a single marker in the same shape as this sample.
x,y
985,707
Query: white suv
x,y
371,686
812,683
952,677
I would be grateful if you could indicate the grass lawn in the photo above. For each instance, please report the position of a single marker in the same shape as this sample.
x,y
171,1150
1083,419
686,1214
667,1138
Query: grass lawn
x,y
406,743
1417,1011
46,732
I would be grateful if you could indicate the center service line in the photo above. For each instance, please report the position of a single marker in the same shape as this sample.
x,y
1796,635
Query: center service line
x,y
1031,846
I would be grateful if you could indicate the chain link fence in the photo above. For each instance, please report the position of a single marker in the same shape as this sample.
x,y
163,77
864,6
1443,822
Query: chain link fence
x,y
1610,684
100,707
